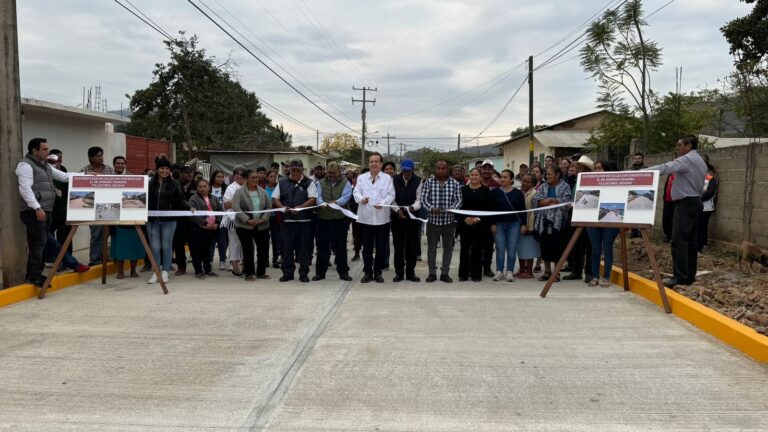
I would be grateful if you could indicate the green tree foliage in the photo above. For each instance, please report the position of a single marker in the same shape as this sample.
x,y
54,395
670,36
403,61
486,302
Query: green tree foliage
x,y
620,58
748,39
198,105
346,146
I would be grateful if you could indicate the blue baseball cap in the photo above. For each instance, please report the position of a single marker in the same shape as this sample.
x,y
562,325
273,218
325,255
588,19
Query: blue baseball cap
x,y
406,165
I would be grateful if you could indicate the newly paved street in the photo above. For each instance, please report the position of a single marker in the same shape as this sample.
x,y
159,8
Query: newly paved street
x,y
223,354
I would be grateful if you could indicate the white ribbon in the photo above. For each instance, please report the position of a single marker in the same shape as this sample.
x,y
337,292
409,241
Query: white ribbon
x,y
346,212
499,213
408,210
183,213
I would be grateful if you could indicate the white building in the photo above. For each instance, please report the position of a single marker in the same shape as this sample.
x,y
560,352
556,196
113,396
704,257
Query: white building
x,y
72,130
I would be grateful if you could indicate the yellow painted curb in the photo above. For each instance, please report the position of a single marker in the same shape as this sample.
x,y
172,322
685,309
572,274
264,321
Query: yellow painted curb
x,y
26,291
732,332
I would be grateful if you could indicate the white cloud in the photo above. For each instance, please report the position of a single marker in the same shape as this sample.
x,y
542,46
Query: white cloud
x,y
417,52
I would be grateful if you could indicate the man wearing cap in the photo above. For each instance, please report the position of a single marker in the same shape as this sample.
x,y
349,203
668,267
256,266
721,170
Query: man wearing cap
x,y
690,173
405,230
294,193
332,225
373,191
36,177
582,250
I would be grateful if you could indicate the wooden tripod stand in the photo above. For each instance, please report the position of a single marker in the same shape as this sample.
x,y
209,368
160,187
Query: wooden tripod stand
x,y
644,232
104,254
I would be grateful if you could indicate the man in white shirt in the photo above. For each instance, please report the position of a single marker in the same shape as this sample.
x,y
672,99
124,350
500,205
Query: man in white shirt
x,y
373,191
36,177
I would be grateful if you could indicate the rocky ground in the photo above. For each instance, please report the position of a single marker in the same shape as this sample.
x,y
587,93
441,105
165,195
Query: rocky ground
x,y
720,285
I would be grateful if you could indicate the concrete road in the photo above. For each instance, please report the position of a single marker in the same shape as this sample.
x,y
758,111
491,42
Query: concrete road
x,y
223,354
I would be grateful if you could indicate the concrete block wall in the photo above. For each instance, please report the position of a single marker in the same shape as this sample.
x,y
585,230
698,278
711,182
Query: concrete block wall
x,y
741,212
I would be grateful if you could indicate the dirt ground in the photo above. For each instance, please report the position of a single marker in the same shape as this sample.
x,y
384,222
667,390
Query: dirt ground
x,y
720,285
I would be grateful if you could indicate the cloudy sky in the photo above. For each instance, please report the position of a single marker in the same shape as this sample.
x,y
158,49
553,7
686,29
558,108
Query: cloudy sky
x,y
442,67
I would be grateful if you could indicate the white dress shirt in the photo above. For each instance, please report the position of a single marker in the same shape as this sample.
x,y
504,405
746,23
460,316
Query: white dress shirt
x,y
27,179
380,192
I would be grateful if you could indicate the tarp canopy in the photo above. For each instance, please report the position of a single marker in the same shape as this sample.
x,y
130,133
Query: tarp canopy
x,y
227,161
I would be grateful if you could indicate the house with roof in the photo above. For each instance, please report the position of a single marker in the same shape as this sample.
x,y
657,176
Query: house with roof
x,y
558,140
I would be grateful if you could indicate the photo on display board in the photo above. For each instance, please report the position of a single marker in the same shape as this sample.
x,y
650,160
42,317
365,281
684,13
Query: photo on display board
x,y
640,199
108,211
134,200
587,199
611,212
81,200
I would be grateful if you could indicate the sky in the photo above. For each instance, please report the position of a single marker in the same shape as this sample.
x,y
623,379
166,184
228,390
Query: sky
x,y
441,67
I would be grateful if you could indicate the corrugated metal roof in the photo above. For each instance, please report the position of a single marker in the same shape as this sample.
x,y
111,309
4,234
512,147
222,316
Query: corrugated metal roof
x,y
29,104
566,139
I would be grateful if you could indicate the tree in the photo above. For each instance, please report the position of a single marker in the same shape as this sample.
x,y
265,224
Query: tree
x,y
196,104
619,56
523,130
748,38
347,146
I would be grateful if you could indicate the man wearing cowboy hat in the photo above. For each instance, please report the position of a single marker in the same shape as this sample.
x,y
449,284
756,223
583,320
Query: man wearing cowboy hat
x,y
582,250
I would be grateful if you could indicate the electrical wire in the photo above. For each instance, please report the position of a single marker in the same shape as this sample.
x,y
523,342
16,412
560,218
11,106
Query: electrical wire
x,y
158,29
237,41
269,57
501,111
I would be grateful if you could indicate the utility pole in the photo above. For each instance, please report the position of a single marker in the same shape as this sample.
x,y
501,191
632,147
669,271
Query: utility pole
x,y
317,140
362,116
530,111
388,137
12,232
458,148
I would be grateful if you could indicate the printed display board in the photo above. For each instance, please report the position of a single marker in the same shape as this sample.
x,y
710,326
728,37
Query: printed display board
x,y
627,197
107,198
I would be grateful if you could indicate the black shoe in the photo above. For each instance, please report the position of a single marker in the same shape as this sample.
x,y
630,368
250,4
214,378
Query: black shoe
x,y
565,269
237,274
413,279
316,278
286,278
431,278
366,278
477,279
489,273
572,276
671,282
304,278
345,277
398,278
463,278
356,257
588,278
445,278
275,264
38,280
378,278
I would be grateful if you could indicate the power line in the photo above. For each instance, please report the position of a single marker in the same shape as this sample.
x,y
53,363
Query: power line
x,y
329,38
657,10
300,42
166,35
501,111
455,110
237,41
156,28
268,56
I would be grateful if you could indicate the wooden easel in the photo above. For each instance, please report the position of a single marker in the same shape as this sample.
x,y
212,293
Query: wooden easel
x,y
644,233
104,253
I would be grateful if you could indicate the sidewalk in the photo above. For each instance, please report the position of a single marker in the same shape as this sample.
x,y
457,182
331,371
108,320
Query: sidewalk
x,y
223,354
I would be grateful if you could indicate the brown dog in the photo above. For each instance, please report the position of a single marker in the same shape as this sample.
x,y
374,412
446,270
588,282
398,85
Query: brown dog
x,y
751,252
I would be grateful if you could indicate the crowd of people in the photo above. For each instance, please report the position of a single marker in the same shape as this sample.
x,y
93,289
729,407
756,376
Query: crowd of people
x,y
394,210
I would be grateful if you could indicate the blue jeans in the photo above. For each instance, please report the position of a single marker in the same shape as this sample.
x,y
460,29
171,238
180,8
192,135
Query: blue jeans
x,y
507,235
220,240
602,242
161,241
52,249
